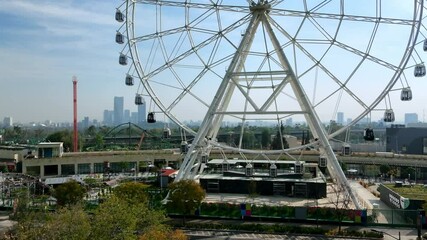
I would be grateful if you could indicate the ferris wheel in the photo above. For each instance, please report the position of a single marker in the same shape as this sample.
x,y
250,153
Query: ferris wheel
x,y
268,62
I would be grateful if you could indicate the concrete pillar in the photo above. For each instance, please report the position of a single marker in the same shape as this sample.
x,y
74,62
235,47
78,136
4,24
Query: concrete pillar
x,y
42,171
92,168
59,169
24,168
76,169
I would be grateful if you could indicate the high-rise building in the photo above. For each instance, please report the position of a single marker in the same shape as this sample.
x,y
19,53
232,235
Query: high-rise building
x,y
126,115
134,117
288,122
411,118
340,118
108,117
8,122
142,113
85,123
118,110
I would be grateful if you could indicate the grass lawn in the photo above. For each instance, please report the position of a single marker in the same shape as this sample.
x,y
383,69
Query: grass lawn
x,y
410,191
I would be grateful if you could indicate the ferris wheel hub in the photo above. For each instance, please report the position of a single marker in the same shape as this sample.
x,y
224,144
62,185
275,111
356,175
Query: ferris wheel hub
x,y
261,6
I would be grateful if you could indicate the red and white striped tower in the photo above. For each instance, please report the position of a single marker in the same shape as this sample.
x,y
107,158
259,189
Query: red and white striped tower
x,y
75,136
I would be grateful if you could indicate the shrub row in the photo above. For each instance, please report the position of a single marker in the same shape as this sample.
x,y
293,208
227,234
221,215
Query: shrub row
x,y
281,229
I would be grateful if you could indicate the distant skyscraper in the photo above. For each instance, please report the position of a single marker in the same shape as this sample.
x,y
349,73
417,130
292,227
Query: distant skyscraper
x,y
85,123
288,122
126,115
411,118
8,122
142,113
118,110
340,118
108,117
134,117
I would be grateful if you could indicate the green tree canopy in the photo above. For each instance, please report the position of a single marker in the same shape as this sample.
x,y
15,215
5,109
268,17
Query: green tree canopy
x,y
385,168
64,136
185,196
265,137
69,193
132,192
64,224
116,219
279,141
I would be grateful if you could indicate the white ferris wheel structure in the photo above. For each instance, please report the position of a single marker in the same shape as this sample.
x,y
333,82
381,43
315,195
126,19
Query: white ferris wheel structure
x,y
265,62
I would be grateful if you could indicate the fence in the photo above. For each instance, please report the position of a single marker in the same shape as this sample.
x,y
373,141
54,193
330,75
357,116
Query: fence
x,y
398,218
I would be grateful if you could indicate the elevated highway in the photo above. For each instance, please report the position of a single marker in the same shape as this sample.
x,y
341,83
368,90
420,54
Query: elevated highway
x,y
93,162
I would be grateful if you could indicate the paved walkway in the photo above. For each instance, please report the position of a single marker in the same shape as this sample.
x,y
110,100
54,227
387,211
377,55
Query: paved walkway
x,y
389,233
5,223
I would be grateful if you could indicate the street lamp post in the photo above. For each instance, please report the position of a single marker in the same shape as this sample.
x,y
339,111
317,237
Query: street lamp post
x,y
373,230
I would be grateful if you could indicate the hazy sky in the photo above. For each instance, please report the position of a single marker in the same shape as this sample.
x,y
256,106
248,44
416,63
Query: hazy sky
x,y
44,43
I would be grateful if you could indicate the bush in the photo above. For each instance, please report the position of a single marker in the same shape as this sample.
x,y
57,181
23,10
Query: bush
x,y
354,233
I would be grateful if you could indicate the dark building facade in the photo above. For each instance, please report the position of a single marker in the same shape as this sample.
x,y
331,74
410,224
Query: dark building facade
x,y
406,140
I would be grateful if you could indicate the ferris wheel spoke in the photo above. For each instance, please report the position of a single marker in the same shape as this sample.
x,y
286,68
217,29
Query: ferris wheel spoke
x,y
338,17
158,34
187,90
366,55
191,51
340,84
318,6
195,5
334,41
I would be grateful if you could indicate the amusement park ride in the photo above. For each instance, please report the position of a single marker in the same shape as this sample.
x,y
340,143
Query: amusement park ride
x,y
259,61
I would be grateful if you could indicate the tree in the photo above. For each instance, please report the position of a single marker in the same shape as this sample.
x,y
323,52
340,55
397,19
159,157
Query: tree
x,y
90,131
99,142
407,172
305,137
343,166
265,137
385,169
69,193
132,192
279,141
248,139
252,189
341,200
116,219
185,196
64,136
21,202
65,223
68,224
162,233
29,226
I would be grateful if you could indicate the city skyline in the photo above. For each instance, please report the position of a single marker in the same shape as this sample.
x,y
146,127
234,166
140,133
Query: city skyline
x,y
77,38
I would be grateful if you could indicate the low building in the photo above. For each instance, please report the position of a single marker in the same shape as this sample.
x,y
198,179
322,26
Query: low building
x,y
264,177
50,149
406,140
